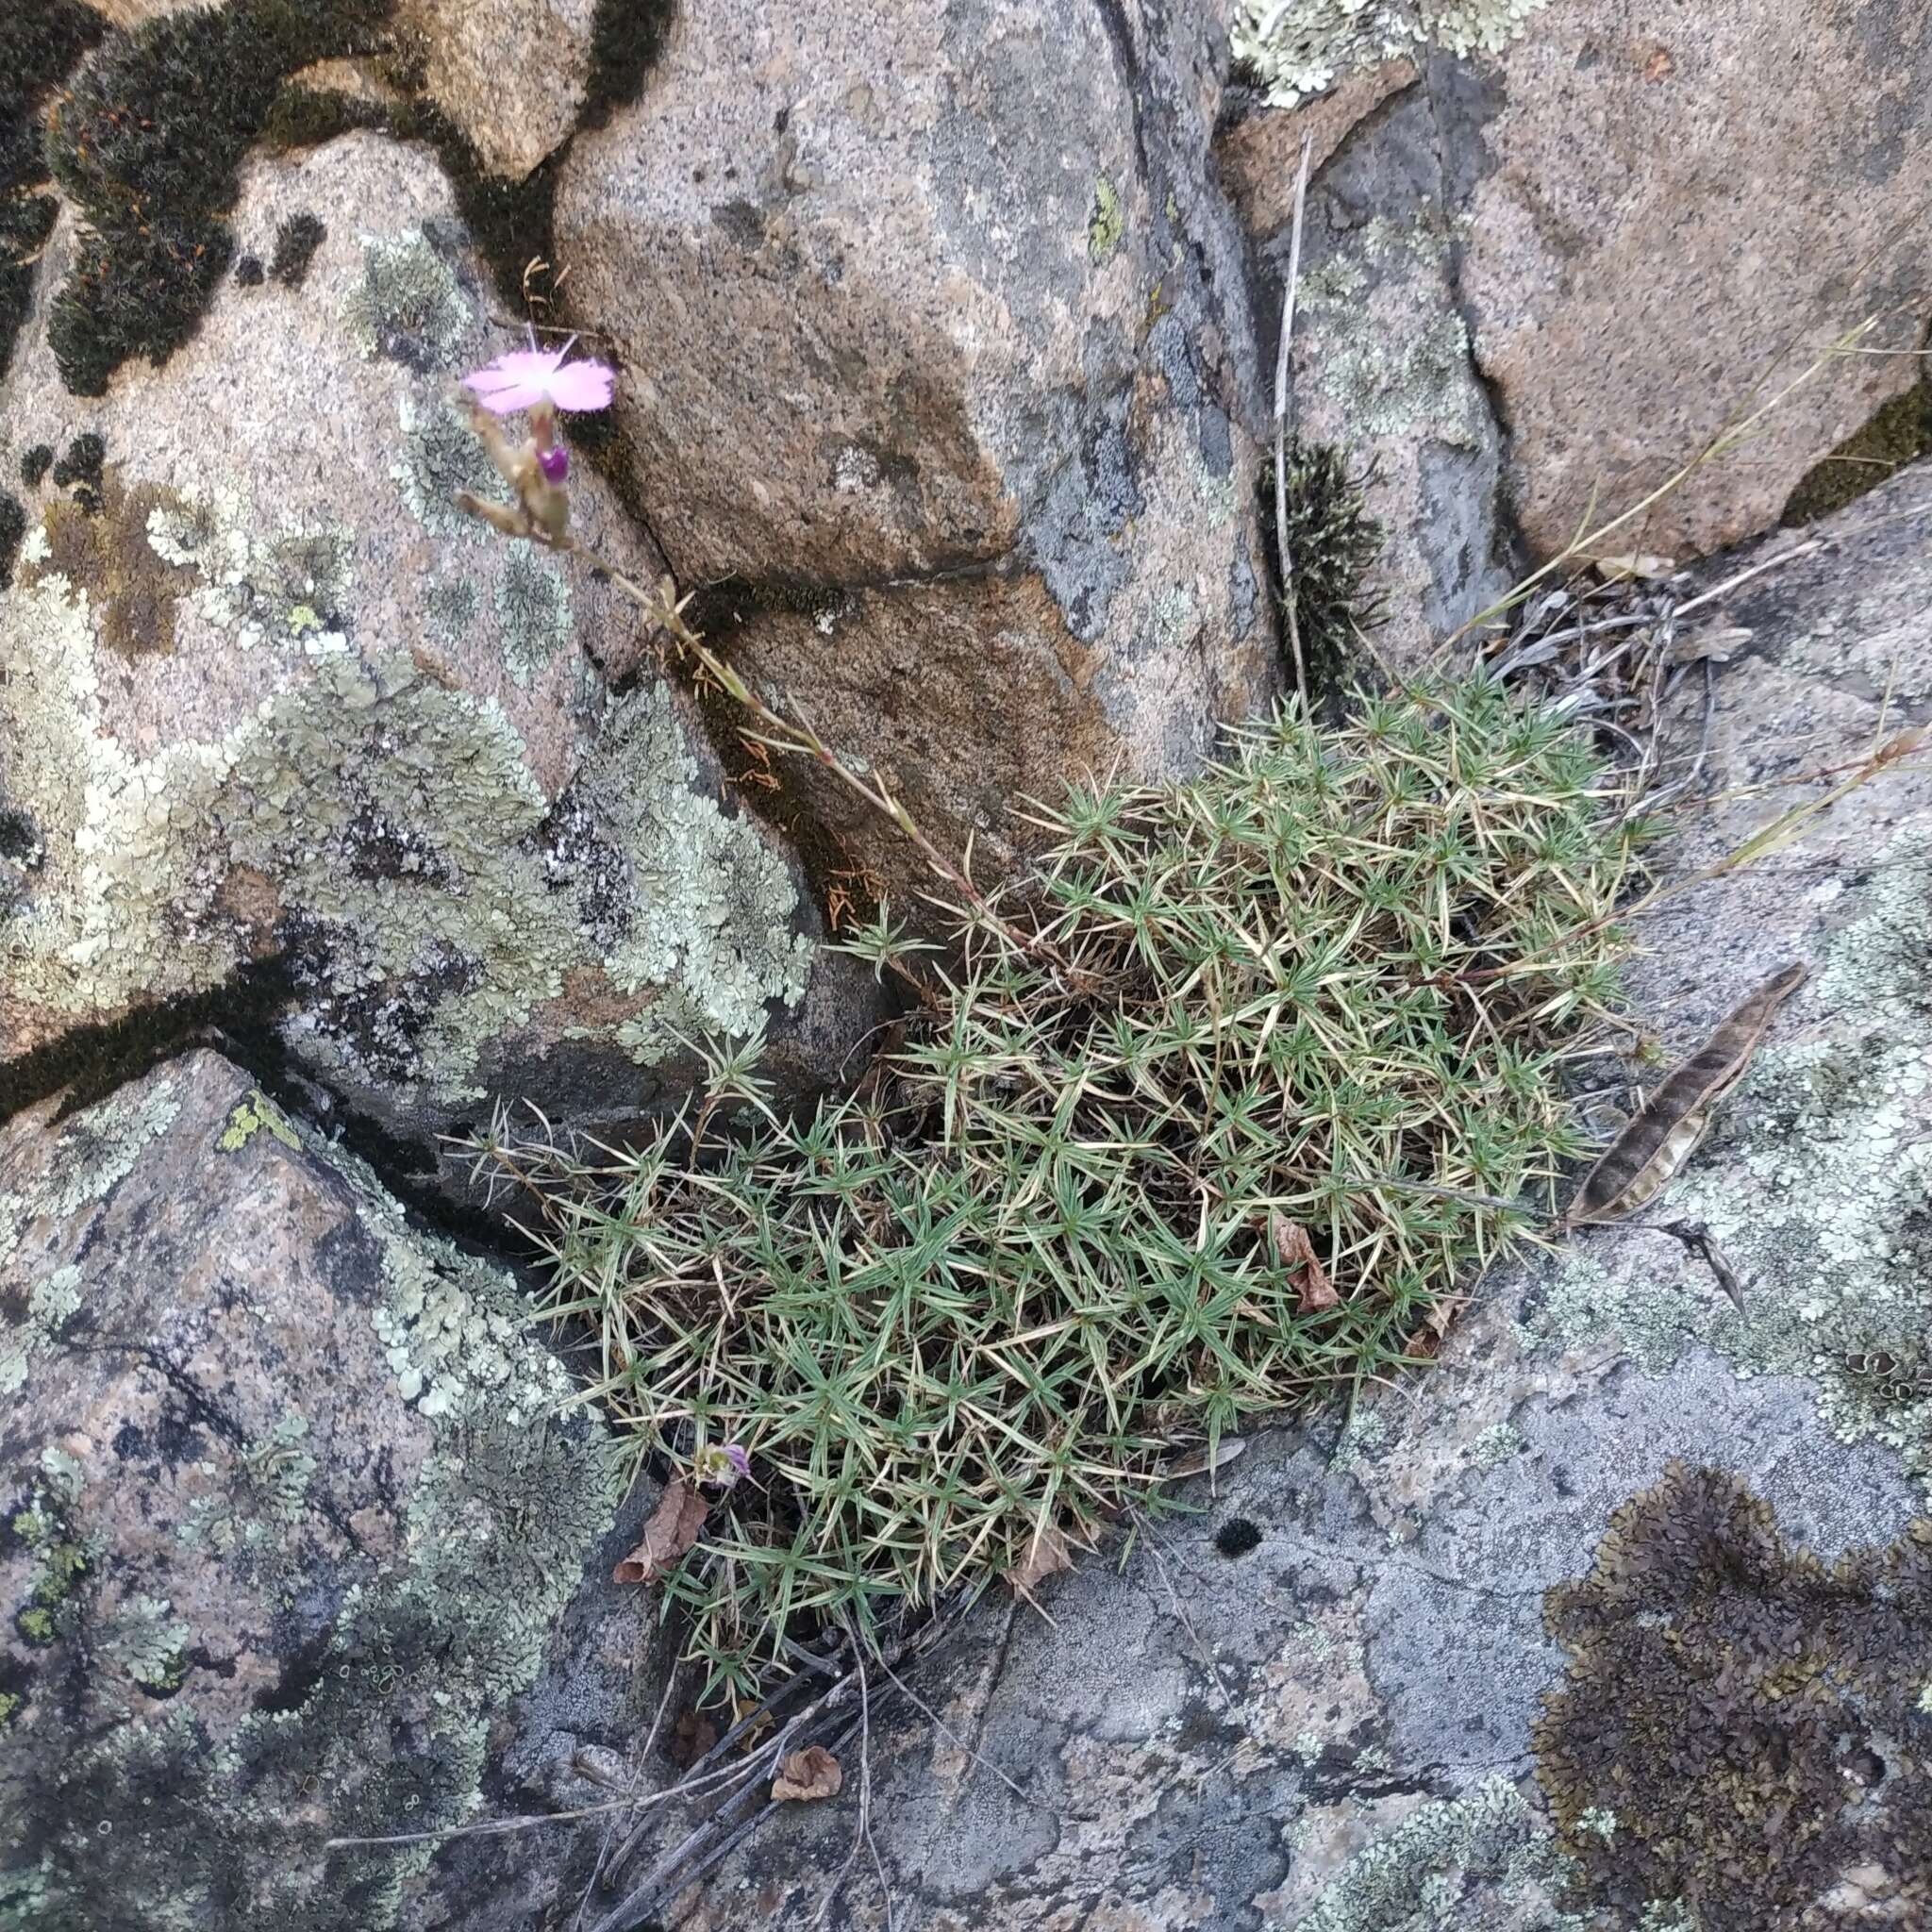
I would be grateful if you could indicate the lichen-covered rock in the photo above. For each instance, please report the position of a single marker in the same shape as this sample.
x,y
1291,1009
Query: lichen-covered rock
x,y
298,1538
938,364
270,697
1583,251
1618,1621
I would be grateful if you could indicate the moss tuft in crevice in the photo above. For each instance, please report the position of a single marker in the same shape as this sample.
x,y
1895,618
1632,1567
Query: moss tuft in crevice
x,y
1333,543
1896,435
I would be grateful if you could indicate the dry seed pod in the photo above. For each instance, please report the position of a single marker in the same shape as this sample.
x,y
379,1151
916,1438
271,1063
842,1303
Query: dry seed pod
x,y
1636,1166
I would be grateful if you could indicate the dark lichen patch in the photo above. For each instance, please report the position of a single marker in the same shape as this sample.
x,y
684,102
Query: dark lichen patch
x,y
148,142
99,544
1896,435
297,241
249,271
34,463
1741,1725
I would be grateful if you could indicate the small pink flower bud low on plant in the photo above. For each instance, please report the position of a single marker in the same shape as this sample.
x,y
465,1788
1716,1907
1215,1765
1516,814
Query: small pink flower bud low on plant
x,y
719,1466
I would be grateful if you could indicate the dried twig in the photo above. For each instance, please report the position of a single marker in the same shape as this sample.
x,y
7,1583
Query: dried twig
x,y
1287,562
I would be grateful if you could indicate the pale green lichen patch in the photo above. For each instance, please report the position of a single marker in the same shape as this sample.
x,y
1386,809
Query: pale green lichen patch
x,y
428,897
149,1642
1300,48
410,304
715,904
1405,381
1106,225
1480,1858
92,1153
289,587
249,1118
51,1304
1814,1186
387,1725
440,458
532,612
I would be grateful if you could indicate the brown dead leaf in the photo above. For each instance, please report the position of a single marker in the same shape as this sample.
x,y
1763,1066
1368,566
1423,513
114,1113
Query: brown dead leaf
x,y
672,1528
1047,1556
1660,65
1293,1249
812,1772
693,1737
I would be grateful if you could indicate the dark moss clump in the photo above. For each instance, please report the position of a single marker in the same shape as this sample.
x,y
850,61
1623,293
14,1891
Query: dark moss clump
x,y
80,469
36,463
12,528
40,42
1897,434
249,271
148,143
1332,544
307,116
626,40
297,241
1740,1727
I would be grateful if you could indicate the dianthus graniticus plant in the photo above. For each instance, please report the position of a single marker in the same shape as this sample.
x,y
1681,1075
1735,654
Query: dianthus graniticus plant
x,y
1211,1111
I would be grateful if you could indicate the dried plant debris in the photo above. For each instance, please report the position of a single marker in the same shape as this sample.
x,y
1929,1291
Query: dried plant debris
x,y
1741,1742
1639,1163
1003,1291
674,1528
812,1772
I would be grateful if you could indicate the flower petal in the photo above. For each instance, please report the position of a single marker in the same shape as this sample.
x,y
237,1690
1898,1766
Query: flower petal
x,y
516,381
582,386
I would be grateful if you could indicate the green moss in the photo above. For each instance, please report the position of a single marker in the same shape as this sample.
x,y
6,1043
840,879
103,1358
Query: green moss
x,y
148,143
627,38
34,463
1333,543
1106,225
1744,1717
1898,433
10,1704
1814,1185
12,528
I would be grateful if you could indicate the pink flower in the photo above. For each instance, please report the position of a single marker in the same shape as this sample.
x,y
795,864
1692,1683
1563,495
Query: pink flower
x,y
525,377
